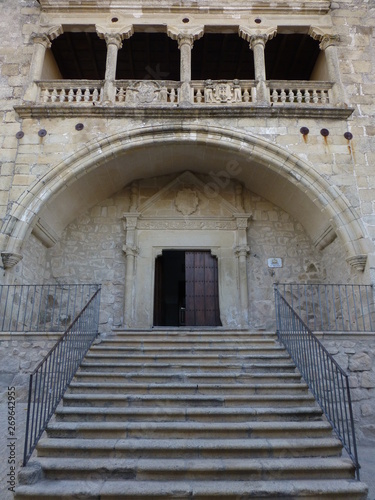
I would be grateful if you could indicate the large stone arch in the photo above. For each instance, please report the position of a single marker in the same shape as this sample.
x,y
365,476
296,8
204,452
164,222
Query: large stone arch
x,y
103,166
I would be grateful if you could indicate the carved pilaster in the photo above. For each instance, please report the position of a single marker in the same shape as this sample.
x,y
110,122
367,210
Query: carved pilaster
x,y
42,41
328,43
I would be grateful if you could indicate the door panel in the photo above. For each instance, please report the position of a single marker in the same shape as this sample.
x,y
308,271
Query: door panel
x,y
158,292
202,301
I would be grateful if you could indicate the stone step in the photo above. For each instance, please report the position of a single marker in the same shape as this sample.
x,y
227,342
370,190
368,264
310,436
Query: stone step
x,y
212,377
274,365
197,490
180,343
178,352
164,414
196,400
233,430
223,469
191,354
188,448
184,388
184,333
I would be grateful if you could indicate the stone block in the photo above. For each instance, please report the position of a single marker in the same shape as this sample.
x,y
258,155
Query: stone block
x,y
360,362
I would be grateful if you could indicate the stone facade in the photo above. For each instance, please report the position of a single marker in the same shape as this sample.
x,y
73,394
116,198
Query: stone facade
x,y
80,160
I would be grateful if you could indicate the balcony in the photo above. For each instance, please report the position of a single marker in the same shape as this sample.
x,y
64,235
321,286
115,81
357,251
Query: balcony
x,y
220,80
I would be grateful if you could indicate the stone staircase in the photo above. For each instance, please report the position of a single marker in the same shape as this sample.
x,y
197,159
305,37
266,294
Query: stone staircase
x,y
187,414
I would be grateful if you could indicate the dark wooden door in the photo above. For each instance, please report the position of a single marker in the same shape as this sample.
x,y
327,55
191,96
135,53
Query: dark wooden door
x,y
202,298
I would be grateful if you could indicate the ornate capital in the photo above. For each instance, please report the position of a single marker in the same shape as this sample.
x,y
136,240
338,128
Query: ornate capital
x,y
10,259
328,41
325,39
242,220
114,37
255,37
130,220
132,250
242,250
187,37
46,35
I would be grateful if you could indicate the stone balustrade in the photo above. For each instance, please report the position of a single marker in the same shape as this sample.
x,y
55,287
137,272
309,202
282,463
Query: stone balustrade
x,y
300,93
70,91
208,92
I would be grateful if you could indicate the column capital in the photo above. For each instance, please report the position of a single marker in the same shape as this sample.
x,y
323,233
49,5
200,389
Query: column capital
x,y
256,36
242,250
185,36
46,35
130,220
132,250
114,37
242,220
326,39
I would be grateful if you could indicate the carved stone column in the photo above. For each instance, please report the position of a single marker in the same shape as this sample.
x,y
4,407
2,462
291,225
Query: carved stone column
x,y
42,42
114,44
241,251
328,44
257,42
131,251
185,44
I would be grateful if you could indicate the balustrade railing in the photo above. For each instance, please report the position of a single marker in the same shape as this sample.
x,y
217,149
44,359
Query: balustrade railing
x,y
51,377
41,308
300,92
160,92
326,379
332,307
71,91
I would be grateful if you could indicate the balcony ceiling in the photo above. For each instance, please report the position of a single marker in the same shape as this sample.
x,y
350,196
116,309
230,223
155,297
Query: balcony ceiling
x,y
155,56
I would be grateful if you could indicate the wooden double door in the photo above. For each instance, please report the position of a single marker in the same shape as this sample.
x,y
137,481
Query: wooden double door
x,y
186,289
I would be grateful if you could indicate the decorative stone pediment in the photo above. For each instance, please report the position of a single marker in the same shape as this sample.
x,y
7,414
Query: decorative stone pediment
x,y
189,198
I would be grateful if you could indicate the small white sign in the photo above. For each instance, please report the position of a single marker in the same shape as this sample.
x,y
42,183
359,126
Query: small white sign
x,y
275,262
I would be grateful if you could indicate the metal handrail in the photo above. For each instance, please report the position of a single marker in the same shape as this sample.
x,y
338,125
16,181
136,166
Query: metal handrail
x,y
42,308
332,307
326,379
50,379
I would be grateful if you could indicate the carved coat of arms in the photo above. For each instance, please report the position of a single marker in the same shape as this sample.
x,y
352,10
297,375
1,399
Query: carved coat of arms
x,y
186,201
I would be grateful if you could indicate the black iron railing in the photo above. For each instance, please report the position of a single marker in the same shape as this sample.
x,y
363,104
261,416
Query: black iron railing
x,y
332,307
41,308
54,373
326,379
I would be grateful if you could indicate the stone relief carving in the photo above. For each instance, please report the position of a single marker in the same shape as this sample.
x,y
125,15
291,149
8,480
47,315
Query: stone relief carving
x,y
222,92
186,224
186,201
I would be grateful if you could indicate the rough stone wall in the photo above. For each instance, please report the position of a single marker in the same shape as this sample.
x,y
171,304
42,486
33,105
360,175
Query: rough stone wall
x,y
19,355
355,22
18,19
355,353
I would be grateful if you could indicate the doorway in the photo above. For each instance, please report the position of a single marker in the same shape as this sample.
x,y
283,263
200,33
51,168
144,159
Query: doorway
x,y
186,289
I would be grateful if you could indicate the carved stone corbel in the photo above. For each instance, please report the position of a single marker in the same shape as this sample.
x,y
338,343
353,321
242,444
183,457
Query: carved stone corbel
x,y
10,259
358,262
